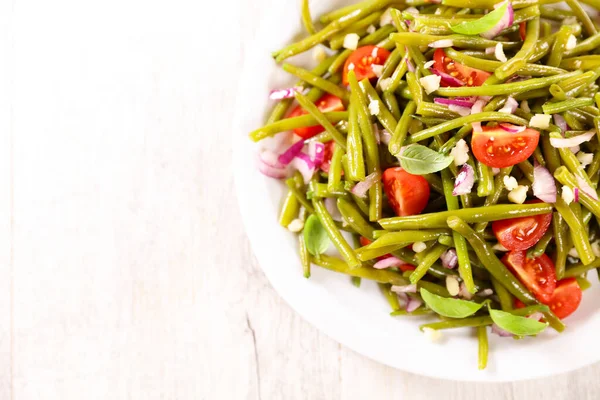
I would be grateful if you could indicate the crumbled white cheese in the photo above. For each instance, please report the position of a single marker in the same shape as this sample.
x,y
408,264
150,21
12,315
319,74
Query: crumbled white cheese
x,y
429,64
575,149
499,247
433,335
412,10
441,44
319,54
573,253
495,171
302,214
351,41
296,225
375,52
430,83
377,69
577,64
525,106
371,29
386,18
499,53
374,107
452,285
510,183
570,20
460,152
438,11
419,247
351,67
571,42
518,195
384,84
585,158
541,121
596,249
567,194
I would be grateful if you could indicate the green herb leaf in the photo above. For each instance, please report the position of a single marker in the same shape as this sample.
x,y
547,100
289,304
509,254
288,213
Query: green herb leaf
x,y
482,24
420,160
315,236
520,326
452,308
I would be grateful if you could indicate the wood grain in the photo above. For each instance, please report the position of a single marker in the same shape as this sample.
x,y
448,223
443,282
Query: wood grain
x,y
125,270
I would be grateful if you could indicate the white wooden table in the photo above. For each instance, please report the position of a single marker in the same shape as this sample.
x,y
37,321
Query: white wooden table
x,y
124,271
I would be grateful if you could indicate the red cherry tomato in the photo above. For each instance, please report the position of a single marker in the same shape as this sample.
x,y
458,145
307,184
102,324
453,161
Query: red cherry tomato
x,y
363,60
537,274
405,267
521,233
469,76
519,304
327,154
566,298
498,148
408,194
327,103
523,30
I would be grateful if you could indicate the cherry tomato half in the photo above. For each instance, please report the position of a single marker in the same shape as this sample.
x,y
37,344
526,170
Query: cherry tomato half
x,y
363,60
566,298
537,274
469,76
523,30
498,148
408,194
327,103
404,267
521,233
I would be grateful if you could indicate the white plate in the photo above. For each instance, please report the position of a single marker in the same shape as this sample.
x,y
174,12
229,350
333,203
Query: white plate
x,y
359,318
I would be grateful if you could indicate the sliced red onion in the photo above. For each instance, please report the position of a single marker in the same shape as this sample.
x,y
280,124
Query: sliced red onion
x,y
361,188
575,149
291,152
586,188
403,297
477,108
376,133
464,293
269,166
510,106
499,331
449,259
560,143
464,181
316,152
305,165
544,186
385,137
560,122
576,194
331,206
506,21
440,44
462,111
409,65
517,78
512,128
448,79
536,316
486,292
404,289
388,262
413,303
457,101
270,158
287,93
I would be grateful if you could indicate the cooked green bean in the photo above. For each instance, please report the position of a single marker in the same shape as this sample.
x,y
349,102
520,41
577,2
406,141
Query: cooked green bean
x,y
304,257
492,65
356,160
354,218
506,299
316,81
377,275
295,122
540,247
359,27
312,109
393,238
462,41
427,261
460,323
399,135
562,106
384,116
306,18
520,59
485,187
581,242
582,16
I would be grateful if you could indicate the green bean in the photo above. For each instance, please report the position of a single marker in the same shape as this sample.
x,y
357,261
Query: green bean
x,y
580,269
316,81
312,109
334,234
415,88
582,16
580,241
306,18
571,162
434,182
485,187
295,122
584,46
492,65
540,247
555,14
395,238
377,275
391,64
391,104
459,122
359,27
366,253
330,30
335,169
594,167
561,242
289,210
304,256
353,217
559,46
557,92
433,288
398,74
526,311
462,41
527,169
418,312
428,109
582,62
356,161
461,134
562,106
460,323
551,154
384,116
399,135
567,179
483,347
427,261
390,296
506,299
486,4
520,59
505,88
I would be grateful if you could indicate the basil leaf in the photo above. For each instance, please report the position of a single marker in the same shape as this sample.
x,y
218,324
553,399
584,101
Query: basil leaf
x,y
520,326
452,308
420,160
482,24
315,236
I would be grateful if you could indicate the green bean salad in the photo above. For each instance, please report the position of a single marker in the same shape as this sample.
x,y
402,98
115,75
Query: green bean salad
x,y
447,150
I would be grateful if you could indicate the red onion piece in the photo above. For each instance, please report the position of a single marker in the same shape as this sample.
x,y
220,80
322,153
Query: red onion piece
x,y
409,65
544,186
462,111
477,108
316,152
449,259
560,143
413,303
499,331
464,181
512,128
560,122
385,137
305,165
403,298
331,206
464,293
447,79
457,101
287,93
506,21
361,188
586,188
404,289
510,106
376,133
269,166
576,194
388,262
270,158
536,315
291,152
